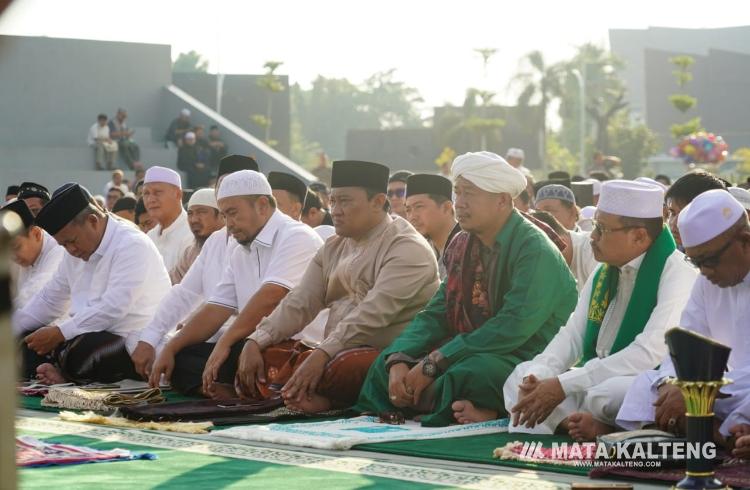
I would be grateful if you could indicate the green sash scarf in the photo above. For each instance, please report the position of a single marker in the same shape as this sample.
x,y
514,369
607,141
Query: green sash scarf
x,y
641,303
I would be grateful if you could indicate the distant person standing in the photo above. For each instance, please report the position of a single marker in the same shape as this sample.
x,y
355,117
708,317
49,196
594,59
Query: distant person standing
x,y
120,132
105,149
193,160
178,128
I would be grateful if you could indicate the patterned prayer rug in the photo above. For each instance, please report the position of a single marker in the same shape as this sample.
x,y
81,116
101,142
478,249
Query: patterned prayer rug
x,y
31,452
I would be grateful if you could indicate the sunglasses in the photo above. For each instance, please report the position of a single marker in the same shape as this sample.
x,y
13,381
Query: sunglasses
x,y
711,261
397,193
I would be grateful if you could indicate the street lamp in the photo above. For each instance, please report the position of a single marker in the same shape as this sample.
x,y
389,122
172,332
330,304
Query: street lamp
x,y
581,78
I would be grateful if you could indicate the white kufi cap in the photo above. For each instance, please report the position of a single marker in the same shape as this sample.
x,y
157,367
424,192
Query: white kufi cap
x,y
164,175
489,172
709,215
203,197
742,195
631,199
244,183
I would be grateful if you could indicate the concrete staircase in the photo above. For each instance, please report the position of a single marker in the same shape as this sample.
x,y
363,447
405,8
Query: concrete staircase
x,y
75,162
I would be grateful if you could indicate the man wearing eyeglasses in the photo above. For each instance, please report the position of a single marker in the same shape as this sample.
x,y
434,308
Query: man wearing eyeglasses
x,y
716,235
397,192
617,329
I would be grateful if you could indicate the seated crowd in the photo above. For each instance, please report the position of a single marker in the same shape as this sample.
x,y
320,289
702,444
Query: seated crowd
x,y
455,300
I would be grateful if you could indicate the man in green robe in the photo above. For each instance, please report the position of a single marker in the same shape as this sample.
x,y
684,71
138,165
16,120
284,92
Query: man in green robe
x,y
507,291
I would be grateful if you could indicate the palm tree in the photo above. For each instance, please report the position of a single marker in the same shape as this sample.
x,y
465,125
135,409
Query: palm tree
x,y
539,82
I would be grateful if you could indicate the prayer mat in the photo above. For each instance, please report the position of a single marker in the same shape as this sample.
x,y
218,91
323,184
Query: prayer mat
x,y
344,433
735,473
535,452
31,452
224,412
100,400
92,418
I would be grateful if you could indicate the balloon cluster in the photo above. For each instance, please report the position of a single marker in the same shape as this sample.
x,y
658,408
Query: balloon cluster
x,y
701,147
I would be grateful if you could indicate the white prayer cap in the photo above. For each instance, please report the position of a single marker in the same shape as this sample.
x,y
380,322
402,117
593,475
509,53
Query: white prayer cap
x,y
514,153
631,199
203,197
185,112
650,181
489,172
588,212
189,135
244,183
709,215
742,195
162,174
596,184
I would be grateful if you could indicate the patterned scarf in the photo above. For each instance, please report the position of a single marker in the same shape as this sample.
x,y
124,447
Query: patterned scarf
x,y
642,301
466,279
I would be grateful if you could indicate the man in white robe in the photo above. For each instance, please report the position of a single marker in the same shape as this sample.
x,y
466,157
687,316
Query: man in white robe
x,y
615,339
716,235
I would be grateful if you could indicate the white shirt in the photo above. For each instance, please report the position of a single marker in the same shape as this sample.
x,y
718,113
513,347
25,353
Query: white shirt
x,y
199,281
31,280
279,254
173,240
645,352
97,131
325,231
123,187
583,263
117,290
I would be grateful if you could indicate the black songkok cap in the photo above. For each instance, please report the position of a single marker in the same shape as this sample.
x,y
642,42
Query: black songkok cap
x,y
354,173
695,357
559,175
32,189
233,163
12,190
62,209
287,182
124,204
429,184
22,210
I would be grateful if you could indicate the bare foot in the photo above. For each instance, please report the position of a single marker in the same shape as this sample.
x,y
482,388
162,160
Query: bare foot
x,y
49,375
221,391
466,413
582,426
316,404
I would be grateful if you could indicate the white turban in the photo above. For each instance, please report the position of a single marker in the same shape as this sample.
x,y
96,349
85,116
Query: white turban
x,y
489,172
244,183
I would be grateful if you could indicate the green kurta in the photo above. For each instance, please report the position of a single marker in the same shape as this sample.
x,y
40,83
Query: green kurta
x,y
534,293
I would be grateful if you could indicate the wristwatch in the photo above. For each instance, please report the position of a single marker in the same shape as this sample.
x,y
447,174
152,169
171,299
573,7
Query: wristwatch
x,y
429,367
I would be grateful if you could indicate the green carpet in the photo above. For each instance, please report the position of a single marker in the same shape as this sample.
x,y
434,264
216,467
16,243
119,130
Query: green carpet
x,y
178,469
476,449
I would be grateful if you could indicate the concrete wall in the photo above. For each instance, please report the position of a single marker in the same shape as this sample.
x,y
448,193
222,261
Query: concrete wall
x,y
242,98
52,89
399,149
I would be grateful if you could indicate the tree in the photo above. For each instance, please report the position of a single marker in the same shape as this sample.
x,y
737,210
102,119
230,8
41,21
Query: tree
x,y
540,82
272,83
633,143
393,103
473,125
682,101
190,62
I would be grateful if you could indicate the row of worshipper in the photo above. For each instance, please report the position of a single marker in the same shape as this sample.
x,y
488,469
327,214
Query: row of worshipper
x,y
482,343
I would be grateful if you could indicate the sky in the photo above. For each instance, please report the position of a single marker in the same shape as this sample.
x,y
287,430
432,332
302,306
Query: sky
x,y
430,43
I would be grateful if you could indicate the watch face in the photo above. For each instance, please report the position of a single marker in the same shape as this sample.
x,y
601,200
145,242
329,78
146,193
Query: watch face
x,y
429,369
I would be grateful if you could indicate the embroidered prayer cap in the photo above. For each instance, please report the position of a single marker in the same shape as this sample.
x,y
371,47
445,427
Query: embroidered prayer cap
x,y
631,199
62,209
429,184
126,203
282,181
19,207
709,215
490,172
649,180
233,163
203,197
12,190
597,185
32,189
163,175
356,173
742,195
515,153
244,183
555,191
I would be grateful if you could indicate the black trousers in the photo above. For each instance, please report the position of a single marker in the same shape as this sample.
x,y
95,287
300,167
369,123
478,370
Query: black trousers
x,y
90,357
189,363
